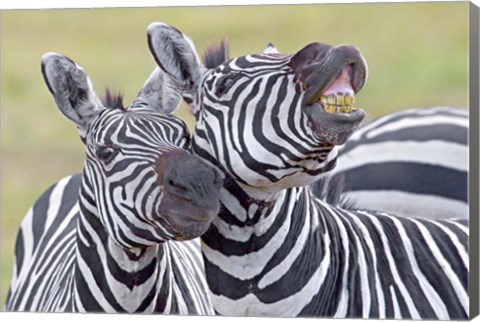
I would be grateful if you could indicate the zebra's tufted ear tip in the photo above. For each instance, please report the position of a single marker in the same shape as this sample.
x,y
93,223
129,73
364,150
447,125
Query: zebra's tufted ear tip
x,y
159,93
156,26
54,66
49,55
160,34
53,58
71,88
175,55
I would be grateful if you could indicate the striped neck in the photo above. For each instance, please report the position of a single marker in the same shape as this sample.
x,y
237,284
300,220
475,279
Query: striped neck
x,y
109,278
272,250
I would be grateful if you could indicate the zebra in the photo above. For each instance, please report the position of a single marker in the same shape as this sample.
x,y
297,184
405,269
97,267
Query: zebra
x,y
122,235
271,124
416,162
411,163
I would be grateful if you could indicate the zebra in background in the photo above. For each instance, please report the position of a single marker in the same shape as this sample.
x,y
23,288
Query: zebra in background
x,y
271,124
106,240
411,163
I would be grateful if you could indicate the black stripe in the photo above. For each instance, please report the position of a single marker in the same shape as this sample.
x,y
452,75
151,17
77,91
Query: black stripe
x,y
432,269
409,177
70,194
165,290
258,129
182,284
40,210
261,168
19,253
147,299
404,268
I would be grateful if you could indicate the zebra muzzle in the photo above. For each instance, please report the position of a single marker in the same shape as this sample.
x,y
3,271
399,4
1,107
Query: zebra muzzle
x,y
331,77
339,95
331,111
191,190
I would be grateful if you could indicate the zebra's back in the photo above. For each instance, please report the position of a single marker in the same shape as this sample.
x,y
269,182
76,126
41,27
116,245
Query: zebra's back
x,y
45,257
412,163
42,277
403,267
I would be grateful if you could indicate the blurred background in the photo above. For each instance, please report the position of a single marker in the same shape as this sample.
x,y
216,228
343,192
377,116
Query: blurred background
x,y
417,55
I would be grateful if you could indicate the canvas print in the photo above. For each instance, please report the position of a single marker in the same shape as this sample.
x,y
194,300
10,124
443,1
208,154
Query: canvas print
x,y
283,160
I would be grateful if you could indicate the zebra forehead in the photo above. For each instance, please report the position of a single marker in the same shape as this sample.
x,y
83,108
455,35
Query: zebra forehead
x,y
140,122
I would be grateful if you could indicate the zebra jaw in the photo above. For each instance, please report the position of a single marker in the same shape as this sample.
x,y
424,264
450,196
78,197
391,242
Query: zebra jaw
x,y
335,123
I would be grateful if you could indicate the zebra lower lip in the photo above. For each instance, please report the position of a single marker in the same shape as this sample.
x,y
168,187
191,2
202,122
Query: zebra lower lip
x,y
334,128
186,228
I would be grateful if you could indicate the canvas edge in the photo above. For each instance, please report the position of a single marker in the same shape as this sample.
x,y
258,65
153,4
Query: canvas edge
x,y
474,99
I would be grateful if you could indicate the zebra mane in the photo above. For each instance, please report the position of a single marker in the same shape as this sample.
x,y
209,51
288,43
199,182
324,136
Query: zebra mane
x,y
216,54
330,190
113,101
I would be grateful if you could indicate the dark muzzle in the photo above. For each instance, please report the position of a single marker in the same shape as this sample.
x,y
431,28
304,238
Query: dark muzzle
x,y
330,78
190,193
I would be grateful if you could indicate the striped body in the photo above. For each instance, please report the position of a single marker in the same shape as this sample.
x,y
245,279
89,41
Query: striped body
x,y
46,257
298,256
275,249
412,163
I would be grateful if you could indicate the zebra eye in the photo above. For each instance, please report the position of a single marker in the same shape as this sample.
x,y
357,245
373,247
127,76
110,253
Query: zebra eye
x,y
224,84
106,153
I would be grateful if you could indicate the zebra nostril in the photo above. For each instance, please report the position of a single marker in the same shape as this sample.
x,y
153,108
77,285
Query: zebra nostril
x,y
176,186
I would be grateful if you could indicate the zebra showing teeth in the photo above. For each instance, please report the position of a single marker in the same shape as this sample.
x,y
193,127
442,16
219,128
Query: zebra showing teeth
x,y
337,103
274,249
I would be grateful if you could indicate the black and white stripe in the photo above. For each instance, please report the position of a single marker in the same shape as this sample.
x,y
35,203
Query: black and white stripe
x,y
412,163
104,240
275,249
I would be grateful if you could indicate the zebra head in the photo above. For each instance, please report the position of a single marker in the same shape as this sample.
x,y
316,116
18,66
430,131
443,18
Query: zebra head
x,y
139,179
267,120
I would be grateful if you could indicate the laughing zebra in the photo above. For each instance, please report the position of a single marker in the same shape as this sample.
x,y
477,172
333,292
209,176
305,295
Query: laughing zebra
x,y
411,163
271,124
104,240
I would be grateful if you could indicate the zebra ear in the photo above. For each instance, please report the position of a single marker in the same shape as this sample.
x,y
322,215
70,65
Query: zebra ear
x,y
159,93
271,50
176,55
71,88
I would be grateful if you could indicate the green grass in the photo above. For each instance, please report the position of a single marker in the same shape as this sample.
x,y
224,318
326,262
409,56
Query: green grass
x,y
417,55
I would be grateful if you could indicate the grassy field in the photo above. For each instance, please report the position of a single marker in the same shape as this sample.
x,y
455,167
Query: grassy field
x,y
417,55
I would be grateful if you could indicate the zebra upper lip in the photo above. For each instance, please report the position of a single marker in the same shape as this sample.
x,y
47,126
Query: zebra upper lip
x,y
330,76
329,106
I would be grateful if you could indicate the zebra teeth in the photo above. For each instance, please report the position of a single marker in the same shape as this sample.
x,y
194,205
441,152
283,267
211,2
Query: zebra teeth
x,y
338,103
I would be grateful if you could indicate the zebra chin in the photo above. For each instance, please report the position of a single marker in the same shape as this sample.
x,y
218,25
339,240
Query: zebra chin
x,y
334,128
187,219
